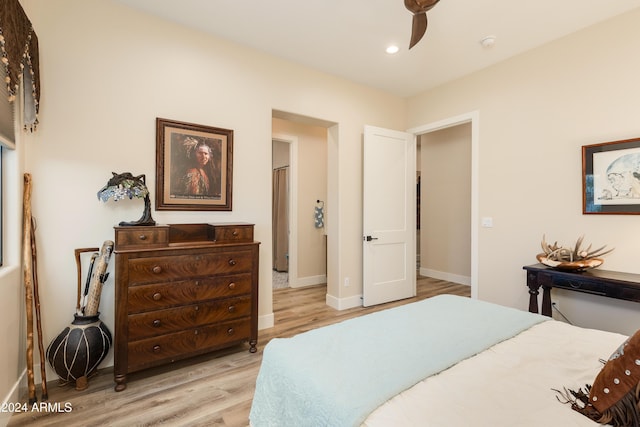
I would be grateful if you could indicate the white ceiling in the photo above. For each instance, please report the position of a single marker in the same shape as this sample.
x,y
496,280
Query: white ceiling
x,y
348,38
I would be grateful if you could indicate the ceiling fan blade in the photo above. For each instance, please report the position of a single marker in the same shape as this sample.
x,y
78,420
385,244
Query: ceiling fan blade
x,y
417,6
427,4
412,6
418,28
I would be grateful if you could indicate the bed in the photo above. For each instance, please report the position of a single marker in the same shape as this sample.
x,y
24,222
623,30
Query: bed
x,y
443,361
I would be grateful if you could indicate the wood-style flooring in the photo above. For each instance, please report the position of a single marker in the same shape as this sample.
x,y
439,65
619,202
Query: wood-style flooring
x,y
209,390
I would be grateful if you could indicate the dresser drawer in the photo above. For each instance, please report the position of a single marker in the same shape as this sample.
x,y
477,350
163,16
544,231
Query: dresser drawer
x,y
233,233
167,268
141,237
160,322
162,295
170,347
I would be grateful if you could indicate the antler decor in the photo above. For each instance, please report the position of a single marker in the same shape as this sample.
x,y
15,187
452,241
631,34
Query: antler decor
x,y
419,9
575,258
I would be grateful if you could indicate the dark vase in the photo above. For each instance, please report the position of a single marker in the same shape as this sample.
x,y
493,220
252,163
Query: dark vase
x,y
78,350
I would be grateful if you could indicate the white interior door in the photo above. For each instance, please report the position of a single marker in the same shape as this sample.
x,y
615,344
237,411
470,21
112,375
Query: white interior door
x,y
388,217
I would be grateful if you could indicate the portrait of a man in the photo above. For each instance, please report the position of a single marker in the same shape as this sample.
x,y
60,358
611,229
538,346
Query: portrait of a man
x,y
194,166
197,169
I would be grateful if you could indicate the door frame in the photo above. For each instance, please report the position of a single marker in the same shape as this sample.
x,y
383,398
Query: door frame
x,y
473,118
292,203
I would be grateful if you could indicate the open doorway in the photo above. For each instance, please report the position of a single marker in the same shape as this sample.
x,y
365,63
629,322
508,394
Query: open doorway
x,y
472,141
300,153
443,235
280,212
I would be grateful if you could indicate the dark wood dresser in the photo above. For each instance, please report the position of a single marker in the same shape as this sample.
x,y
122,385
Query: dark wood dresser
x,y
182,290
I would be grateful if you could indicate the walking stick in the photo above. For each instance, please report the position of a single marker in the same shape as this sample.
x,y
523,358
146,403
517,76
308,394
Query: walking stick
x,y
80,300
28,285
98,277
36,300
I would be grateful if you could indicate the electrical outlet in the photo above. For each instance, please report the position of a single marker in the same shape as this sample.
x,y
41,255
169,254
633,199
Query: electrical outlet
x,y
487,222
347,282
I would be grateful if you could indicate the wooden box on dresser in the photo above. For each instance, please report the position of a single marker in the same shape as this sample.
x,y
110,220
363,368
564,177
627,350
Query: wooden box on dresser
x,y
182,290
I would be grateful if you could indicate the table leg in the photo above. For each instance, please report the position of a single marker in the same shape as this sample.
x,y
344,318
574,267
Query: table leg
x,y
532,283
546,300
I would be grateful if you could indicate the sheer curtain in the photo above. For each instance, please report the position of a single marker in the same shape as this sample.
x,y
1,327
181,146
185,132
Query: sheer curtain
x,y
280,219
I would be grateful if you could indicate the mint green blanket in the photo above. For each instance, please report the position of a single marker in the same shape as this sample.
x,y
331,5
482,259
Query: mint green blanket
x,y
337,375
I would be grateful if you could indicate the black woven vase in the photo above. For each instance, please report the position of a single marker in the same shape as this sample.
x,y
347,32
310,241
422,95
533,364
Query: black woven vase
x,y
78,350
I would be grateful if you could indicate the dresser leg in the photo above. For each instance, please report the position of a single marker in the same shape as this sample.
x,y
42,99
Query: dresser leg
x,y
121,382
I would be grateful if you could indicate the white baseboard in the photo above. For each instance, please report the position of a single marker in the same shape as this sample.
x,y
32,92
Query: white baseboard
x,y
301,282
344,303
266,321
13,397
5,416
449,277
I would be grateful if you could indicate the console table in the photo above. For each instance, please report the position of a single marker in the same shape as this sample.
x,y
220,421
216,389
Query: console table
x,y
612,284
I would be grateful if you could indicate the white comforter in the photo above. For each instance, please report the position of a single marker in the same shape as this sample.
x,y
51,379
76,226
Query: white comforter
x,y
510,384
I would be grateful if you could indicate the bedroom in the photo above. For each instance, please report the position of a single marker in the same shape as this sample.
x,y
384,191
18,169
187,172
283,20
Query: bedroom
x,y
107,74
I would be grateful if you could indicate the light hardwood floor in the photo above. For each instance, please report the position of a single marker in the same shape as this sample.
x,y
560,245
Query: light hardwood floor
x,y
210,390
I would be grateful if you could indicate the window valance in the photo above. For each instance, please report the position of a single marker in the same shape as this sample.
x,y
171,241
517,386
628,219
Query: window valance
x,y
19,45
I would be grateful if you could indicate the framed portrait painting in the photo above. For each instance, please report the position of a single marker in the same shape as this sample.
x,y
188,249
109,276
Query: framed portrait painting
x,y
611,177
194,166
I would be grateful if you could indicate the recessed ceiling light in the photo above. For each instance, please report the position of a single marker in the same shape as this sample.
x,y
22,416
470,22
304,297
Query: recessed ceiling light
x,y
392,49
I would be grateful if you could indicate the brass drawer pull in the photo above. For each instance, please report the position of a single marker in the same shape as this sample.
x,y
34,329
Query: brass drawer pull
x,y
196,308
156,349
232,262
230,331
157,269
157,296
196,332
157,323
232,285
142,237
232,308
197,283
235,233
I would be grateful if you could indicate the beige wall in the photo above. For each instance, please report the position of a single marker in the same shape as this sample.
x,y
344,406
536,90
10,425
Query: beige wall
x,y
107,73
311,186
535,112
280,154
445,214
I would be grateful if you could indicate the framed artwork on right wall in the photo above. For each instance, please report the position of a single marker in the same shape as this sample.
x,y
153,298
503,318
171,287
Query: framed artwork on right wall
x,y
611,177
